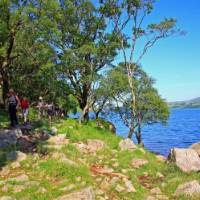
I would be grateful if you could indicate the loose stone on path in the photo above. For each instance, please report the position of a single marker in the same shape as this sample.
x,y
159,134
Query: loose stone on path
x,y
127,144
84,194
137,163
191,188
20,178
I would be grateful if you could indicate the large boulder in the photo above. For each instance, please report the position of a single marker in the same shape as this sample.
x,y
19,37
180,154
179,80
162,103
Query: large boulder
x,y
7,139
186,159
191,189
196,147
84,194
16,156
127,144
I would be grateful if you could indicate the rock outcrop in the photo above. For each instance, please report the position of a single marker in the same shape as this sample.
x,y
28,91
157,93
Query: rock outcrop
x,y
7,139
91,146
196,147
191,189
127,144
186,159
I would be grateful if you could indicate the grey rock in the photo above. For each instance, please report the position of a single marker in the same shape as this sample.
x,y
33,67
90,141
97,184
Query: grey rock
x,y
62,158
30,184
95,145
18,132
196,147
156,191
18,188
15,165
114,181
7,139
67,188
191,189
138,162
20,178
129,185
162,197
54,130
58,140
16,155
119,188
186,159
127,144
5,171
84,194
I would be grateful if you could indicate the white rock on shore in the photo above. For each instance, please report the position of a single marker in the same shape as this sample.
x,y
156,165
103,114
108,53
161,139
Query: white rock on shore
x,y
186,159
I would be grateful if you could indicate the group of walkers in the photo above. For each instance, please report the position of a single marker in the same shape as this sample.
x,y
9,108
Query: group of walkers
x,y
44,109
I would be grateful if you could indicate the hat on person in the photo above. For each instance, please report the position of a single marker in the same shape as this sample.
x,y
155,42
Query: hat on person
x,y
40,98
11,90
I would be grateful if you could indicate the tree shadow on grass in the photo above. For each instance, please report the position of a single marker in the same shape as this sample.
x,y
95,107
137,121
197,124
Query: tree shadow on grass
x,y
30,138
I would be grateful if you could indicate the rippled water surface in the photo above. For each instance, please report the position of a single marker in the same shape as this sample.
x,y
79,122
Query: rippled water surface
x,y
182,130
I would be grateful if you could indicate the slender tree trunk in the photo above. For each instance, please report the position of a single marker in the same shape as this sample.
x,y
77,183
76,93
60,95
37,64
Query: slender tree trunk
x,y
5,87
5,90
132,128
139,132
97,114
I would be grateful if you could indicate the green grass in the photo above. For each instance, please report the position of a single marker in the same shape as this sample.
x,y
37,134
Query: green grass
x,y
4,121
54,175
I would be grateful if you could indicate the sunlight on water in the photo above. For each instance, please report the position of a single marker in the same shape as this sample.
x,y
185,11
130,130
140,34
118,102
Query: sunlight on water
x,y
182,130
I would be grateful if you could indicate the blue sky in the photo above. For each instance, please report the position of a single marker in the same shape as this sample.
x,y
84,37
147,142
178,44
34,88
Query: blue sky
x,y
175,62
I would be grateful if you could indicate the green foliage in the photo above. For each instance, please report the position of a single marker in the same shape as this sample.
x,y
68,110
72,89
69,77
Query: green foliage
x,y
149,106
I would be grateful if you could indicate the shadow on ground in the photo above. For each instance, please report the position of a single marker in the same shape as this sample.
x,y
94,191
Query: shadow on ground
x,y
25,138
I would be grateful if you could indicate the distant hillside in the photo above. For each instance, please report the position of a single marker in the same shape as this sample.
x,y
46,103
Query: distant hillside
x,y
193,103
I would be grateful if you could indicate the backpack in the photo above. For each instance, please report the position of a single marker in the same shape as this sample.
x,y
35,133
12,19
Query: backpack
x,y
13,100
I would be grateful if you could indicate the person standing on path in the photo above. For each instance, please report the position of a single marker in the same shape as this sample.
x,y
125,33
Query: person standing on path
x,y
25,106
13,103
41,107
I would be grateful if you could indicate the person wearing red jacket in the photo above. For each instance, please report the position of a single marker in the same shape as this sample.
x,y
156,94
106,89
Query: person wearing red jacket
x,y
24,106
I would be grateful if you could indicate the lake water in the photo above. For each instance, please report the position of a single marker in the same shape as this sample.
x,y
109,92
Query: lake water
x,y
182,130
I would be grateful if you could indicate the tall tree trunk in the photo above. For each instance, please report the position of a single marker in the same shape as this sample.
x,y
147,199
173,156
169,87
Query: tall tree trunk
x,y
5,90
5,87
84,103
97,114
85,114
132,128
139,132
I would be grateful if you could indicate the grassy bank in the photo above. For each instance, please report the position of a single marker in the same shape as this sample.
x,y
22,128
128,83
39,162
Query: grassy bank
x,y
54,178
